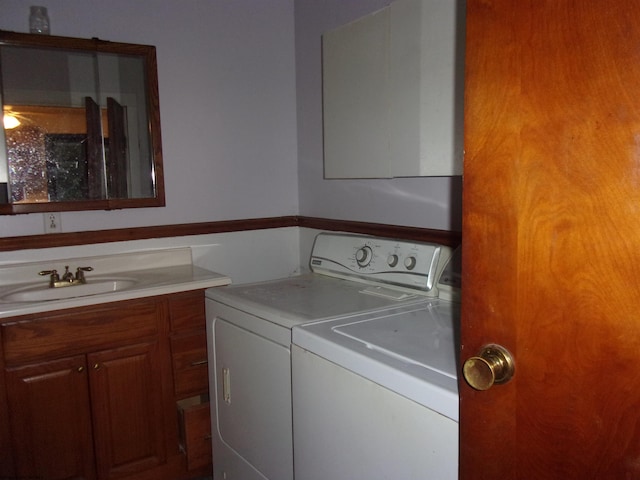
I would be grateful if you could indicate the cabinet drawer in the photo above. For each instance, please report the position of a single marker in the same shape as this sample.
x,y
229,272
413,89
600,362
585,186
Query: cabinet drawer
x,y
195,431
187,310
189,356
76,331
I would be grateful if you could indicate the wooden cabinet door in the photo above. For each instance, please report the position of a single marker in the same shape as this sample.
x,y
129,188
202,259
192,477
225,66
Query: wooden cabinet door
x,y
126,394
551,264
50,420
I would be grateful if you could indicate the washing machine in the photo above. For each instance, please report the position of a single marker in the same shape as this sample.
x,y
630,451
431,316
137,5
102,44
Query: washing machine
x,y
249,335
375,395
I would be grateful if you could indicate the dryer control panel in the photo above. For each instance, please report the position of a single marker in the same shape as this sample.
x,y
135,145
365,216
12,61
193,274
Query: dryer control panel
x,y
405,265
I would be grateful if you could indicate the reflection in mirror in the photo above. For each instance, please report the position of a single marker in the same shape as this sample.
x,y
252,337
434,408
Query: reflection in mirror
x,y
81,125
43,93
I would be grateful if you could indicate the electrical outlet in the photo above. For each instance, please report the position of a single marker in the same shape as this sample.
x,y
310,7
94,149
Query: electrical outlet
x,y
52,222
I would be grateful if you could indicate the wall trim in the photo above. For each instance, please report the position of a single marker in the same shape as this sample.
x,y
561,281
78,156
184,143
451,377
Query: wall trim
x,y
143,233
443,237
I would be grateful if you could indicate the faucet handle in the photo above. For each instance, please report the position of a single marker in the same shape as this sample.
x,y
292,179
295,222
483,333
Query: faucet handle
x,y
54,276
80,273
53,273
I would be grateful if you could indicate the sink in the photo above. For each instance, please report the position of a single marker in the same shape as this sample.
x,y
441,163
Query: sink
x,y
41,292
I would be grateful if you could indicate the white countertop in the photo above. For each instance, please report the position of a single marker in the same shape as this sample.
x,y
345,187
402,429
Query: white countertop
x,y
155,272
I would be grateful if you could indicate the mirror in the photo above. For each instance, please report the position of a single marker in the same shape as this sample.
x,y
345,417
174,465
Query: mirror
x,y
81,125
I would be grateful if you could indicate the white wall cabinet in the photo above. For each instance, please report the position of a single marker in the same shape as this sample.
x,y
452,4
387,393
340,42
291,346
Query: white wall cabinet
x,y
393,92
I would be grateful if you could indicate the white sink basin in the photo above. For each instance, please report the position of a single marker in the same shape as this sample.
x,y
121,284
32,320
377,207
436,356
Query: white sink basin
x,y
41,292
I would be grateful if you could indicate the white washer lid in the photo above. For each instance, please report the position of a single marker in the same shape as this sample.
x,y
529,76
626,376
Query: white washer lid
x,y
420,336
410,350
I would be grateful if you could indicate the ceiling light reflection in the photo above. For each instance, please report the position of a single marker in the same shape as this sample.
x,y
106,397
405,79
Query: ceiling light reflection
x,y
10,122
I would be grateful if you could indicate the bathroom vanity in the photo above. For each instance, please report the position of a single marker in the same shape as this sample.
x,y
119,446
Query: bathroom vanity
x,y
110,385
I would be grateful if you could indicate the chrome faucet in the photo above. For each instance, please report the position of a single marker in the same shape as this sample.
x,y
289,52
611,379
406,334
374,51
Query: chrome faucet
x,y
67,277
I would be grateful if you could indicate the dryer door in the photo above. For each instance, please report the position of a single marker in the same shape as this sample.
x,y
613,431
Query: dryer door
x,y
252,406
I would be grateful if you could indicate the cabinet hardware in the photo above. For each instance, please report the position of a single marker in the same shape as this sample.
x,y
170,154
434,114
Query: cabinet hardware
x,y
199,362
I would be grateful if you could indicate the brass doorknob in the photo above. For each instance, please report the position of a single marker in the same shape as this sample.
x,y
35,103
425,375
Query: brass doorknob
x,y
493,365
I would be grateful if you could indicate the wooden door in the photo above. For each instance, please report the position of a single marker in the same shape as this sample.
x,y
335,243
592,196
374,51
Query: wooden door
x,y
551,235
50,420
126,394
117,155
94,151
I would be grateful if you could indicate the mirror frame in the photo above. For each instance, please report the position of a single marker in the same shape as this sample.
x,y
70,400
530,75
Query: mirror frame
x,y
148,53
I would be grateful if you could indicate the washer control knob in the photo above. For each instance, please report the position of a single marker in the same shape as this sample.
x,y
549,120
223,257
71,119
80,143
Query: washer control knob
x,y
392,260
363,256
410,263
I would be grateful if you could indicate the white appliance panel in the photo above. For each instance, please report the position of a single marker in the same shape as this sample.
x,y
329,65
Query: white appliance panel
x,y
311,297
419,336
252,392
348,427
410,350
408,266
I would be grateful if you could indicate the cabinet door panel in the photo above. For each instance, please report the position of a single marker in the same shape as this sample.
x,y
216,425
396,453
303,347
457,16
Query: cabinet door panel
x,y
392,92
126,390
50,420
356,98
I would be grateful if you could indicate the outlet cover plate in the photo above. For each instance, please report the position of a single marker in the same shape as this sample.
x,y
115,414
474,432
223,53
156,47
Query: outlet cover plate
x,y
52,222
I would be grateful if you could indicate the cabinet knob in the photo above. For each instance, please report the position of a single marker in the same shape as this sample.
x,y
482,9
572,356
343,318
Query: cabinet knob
x,y
96,366
80,369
